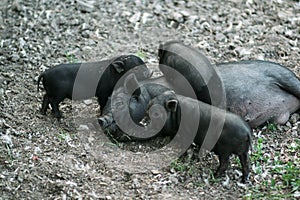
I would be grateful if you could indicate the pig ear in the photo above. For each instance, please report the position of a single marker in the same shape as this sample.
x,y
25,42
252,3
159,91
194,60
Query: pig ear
x,y
172,105
118,66
131,85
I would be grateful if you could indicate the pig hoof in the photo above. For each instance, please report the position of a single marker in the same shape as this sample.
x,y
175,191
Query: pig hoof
x,y
245,179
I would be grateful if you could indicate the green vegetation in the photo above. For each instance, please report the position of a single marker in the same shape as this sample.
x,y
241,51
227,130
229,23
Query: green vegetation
x,y
141,54
284,182
178,165
271,126
9,152
71,58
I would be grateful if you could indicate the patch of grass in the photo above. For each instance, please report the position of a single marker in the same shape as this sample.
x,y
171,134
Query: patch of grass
x,y
141,54
178,165
62,136
295,146
71,58
271,126
288,175
65,136
257,156
284,182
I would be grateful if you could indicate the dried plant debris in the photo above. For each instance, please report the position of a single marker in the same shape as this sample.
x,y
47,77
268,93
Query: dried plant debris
x,y
43,159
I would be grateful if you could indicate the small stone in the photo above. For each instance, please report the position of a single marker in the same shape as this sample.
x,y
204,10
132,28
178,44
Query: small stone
x,y
87,48
226,182
15,57
83,127
185,13
126,13
288,124
189,185
87,102
136,183
86,6
242,51
37,150
296,194
85,34
135,18
173,24
155,172
6,139
21,42
174,180
16,6
295,118
220,37
260,57
177,17
158,9
215,18
146,17
47,39
192,18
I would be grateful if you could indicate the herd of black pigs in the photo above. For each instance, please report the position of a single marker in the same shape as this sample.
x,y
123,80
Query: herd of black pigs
x,y
243,95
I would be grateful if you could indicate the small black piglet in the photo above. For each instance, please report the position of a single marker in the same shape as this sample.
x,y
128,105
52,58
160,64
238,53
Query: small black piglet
x,y
234,137
79,81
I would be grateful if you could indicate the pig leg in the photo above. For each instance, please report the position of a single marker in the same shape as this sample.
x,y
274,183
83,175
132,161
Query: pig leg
x,y
45,104
224,161
55,109
282,118
244,159
290,83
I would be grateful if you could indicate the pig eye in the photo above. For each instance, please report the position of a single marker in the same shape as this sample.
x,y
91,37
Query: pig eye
x,y
119,104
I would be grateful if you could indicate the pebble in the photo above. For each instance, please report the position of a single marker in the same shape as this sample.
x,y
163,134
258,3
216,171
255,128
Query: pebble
x,y
88,102
189,185
85,6
6,139
220,37
173,179
178,17
241,51
155,172
146,18
295,118
15,57
158,9
135,18
83,127
21,42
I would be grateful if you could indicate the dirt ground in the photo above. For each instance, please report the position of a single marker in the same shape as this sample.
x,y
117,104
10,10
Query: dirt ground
x,y
43,159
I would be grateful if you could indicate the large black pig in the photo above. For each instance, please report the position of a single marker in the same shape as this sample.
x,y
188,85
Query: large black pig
x,y
84,80
179,62
234,137
260,91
